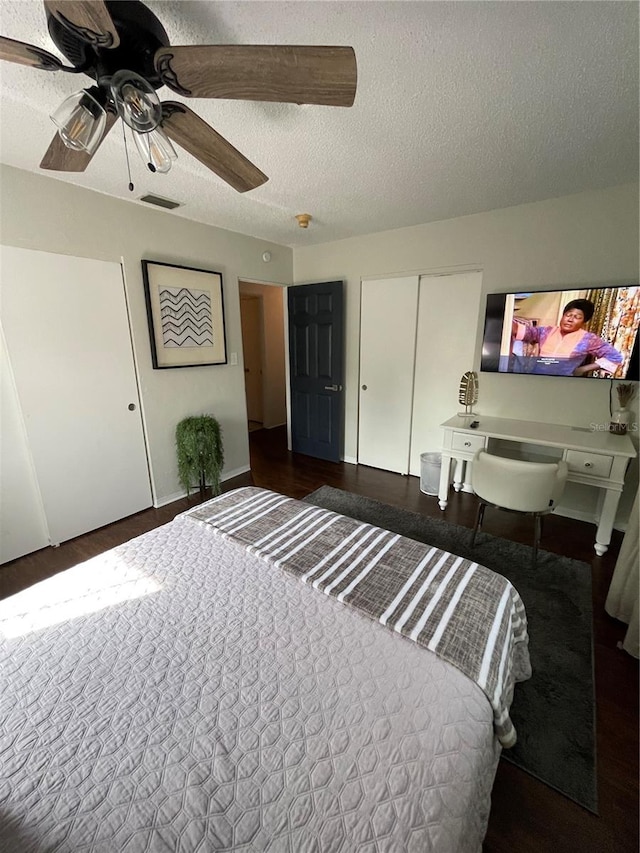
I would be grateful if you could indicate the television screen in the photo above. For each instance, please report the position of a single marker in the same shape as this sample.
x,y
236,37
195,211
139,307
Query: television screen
x,y
589,332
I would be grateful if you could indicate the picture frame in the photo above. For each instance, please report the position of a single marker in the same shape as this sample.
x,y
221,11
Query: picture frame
x,y
185,312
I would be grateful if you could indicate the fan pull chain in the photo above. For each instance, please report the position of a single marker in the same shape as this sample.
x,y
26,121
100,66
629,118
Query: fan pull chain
x,y
126,152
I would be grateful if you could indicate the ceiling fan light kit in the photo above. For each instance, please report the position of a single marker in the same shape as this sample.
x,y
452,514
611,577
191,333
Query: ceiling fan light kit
x,y
156,150
81,120
123,46
136,101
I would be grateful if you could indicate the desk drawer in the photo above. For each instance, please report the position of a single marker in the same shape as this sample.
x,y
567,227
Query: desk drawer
x,y
594,464
468,443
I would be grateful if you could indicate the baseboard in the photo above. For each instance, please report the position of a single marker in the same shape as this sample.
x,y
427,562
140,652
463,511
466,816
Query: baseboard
x,y
567,512
176,496
229,475
575,514
169,499
589,517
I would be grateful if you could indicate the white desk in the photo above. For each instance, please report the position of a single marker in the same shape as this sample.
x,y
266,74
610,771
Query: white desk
x,y
595,458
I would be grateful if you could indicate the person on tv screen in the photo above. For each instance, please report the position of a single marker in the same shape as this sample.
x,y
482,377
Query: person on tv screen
x,y
564,349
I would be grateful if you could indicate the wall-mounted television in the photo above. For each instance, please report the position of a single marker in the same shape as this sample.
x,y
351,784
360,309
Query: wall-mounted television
x,y
579,332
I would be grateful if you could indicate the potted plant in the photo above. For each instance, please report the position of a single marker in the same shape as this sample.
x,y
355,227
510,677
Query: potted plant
x,y
200,453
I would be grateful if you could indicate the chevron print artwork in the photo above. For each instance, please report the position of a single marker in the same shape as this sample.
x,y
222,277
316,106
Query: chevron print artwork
x,y
186,317
185,310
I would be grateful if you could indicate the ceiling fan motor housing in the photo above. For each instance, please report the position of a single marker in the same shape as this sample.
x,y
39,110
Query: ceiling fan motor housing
x,y
141,35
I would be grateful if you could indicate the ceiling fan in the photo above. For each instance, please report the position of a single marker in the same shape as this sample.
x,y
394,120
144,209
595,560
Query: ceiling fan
x,y
123,46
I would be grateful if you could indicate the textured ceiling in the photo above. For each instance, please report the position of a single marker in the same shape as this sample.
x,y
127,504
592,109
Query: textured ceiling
x,y
461,107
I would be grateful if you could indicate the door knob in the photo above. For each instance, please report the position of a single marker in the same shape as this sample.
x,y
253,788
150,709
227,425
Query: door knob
x,y
364,387
333,387
132,407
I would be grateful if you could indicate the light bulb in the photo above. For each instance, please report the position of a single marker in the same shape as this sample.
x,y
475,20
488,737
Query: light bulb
x,y
136,101
81,121
156,150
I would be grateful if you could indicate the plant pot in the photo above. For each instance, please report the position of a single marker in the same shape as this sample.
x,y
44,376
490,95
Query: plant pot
x,y
619,423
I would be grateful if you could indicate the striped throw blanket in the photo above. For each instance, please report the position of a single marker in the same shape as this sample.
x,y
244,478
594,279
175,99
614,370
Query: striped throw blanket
x,y
466,614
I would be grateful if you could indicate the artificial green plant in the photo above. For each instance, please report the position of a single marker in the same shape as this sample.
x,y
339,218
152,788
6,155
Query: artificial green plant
x,y
200,453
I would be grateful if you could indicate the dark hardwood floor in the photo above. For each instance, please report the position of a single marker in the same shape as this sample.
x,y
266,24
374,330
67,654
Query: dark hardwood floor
x,y
526,815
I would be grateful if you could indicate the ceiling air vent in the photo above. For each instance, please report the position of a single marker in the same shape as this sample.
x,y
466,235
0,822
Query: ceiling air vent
x,y
167,203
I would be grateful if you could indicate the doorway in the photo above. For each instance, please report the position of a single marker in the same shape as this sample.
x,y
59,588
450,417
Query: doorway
x,y
263,346
251,312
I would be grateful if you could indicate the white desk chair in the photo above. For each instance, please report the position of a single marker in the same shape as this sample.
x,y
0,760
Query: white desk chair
x,y
532,488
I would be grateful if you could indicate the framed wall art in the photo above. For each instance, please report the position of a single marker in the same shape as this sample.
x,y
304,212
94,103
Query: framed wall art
x,y
185,310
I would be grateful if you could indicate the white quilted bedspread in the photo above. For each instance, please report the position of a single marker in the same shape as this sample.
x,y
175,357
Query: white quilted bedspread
x,y
179,694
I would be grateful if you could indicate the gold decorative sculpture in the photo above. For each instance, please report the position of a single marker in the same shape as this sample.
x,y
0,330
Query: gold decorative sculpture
x,y
468,393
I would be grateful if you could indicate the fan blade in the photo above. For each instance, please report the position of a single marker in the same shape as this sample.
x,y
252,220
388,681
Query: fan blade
x,y
297,75
28,54
60,158
88,19
193,134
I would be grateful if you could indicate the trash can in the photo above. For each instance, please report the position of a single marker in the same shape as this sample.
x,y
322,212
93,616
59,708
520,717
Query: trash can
x,y
430,465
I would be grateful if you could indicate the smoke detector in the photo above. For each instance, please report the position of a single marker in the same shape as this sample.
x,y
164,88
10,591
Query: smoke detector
x,y
303,219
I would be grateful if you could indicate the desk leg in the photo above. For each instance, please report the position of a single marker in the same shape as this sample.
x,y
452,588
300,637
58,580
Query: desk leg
x,y
443,490
458,474
607,517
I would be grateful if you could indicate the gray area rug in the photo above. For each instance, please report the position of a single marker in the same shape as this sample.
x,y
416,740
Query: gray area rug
x,y
553,712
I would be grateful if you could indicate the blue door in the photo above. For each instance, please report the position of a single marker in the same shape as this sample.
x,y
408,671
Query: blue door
x,y
316,369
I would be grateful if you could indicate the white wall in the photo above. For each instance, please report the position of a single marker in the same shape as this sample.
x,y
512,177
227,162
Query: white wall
x,y
39,212
582,239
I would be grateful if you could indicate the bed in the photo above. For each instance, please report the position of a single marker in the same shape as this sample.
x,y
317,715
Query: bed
x,y
200,688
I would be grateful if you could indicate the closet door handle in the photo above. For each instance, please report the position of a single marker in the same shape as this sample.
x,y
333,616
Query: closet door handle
x,y
364,387
131,407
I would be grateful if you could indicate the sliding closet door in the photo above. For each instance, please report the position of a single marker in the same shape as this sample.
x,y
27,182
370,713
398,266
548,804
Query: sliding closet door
x,y
23,527
67,335
445,350
387,349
